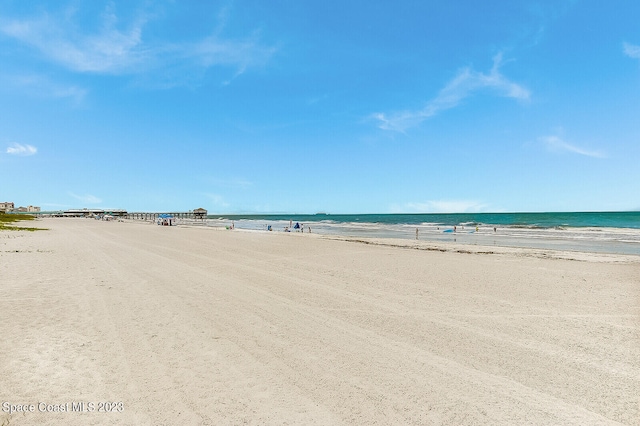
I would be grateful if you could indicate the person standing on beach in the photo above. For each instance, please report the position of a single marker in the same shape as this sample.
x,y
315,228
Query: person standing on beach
x,y
416,233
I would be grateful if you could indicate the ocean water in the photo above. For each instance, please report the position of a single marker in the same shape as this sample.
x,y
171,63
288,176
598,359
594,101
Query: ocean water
x,y
606,232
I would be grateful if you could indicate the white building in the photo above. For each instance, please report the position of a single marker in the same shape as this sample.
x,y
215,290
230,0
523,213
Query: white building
x,y
6,206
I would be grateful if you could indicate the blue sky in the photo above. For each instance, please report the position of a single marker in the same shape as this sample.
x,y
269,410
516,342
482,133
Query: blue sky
x,y
332,106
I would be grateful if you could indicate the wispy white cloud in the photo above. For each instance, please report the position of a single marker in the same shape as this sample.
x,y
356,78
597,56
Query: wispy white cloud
x,y
20,149
42,86
217,200
464,84
631,50
443,206
87,198
119,47
557,144
216,51
108,51
317,99
230,183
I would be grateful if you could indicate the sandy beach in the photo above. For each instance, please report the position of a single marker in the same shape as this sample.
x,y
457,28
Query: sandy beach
x,y
136,324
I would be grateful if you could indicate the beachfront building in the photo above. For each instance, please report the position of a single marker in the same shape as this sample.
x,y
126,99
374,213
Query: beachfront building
x,y
29,209
7,206
93,212
200,213
83,212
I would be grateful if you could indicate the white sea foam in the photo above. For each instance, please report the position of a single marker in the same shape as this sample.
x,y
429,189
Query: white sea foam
x,y
590,239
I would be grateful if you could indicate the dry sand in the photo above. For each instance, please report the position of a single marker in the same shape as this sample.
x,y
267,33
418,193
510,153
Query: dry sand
x,y
187,326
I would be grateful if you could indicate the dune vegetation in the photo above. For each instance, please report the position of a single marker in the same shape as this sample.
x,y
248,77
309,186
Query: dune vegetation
x,y
7,219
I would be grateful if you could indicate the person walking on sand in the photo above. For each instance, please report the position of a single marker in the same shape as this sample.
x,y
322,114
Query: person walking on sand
x,y
416,233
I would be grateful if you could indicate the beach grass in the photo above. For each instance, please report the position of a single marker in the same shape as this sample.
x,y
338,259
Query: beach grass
x,y
7,219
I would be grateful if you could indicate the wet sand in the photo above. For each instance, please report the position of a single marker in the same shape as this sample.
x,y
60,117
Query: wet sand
x,y
185,325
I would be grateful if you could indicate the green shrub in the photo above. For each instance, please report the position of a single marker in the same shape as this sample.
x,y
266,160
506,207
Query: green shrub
x,y
8,218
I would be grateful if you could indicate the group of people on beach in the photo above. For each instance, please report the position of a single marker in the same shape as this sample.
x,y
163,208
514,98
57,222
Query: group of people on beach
x,y
455,228
298,227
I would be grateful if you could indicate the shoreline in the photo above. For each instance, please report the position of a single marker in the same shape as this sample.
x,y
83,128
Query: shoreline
x,y
516,251
586,240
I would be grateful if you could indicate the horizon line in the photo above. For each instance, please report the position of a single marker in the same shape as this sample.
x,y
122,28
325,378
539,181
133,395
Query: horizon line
x,y
209,213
